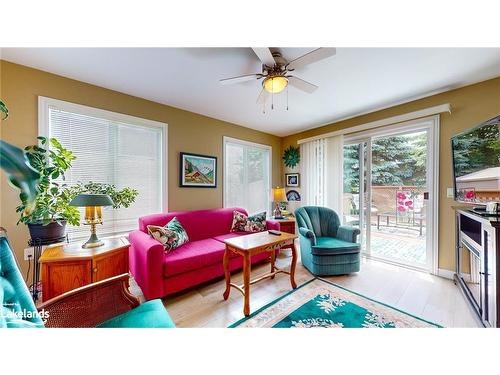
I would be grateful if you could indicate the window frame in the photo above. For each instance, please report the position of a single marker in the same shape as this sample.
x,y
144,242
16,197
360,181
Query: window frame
x,y
44,103
225,141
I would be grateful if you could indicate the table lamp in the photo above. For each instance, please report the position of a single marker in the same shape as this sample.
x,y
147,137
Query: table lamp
x,y
278,197
93,216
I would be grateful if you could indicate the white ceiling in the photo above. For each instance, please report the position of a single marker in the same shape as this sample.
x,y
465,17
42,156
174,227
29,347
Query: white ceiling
x,y
355,81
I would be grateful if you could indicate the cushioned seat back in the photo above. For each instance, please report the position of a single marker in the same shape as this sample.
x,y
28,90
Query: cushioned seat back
x,y
323,221
199,225
17,309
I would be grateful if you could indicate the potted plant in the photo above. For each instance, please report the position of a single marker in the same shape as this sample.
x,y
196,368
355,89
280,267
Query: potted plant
x,y
48,216
51,211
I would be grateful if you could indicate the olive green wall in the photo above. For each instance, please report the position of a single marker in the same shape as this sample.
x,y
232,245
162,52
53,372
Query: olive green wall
x,y
20,87
471,105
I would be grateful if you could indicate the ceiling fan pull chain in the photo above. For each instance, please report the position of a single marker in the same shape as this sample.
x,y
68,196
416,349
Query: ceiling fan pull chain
x,y
287,97
272,93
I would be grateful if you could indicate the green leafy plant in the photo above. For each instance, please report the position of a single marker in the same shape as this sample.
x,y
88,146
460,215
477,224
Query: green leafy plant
x,y
52,199
121,198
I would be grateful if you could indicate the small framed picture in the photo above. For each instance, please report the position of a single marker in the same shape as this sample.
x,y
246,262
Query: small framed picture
x,y
292,196
197,170
292,179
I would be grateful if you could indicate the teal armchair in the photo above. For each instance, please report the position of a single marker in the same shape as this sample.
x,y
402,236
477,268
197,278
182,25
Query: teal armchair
x,y
15,298
326,247
106,304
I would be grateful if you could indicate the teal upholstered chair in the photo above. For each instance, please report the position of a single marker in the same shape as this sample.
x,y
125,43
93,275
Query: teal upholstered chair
x,y
14,295
105,304
326,247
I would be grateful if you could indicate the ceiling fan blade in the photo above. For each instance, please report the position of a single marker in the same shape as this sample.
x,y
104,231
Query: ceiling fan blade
x,y
311,57
301,84
262,97
265,55
239,79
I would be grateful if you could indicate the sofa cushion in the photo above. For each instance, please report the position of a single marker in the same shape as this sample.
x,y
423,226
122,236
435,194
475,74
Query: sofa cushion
x,y
239,222
256,223
151,314
193,255
171,236
333,246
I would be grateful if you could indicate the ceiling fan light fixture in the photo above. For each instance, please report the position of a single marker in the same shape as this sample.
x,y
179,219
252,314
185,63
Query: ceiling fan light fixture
x,y
275,84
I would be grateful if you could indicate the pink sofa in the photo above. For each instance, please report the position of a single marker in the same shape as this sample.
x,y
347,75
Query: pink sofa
x,y
159,274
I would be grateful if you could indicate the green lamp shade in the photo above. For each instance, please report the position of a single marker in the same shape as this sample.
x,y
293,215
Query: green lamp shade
x,y
89,200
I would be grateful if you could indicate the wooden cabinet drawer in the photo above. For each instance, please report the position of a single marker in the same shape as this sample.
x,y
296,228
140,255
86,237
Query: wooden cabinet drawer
x,y
61,277
110,265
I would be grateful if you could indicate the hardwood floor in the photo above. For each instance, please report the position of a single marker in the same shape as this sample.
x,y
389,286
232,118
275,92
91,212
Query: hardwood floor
x,y
430,297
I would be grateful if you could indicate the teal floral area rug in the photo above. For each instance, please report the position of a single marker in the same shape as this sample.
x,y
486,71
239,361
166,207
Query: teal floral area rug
x,y
322,304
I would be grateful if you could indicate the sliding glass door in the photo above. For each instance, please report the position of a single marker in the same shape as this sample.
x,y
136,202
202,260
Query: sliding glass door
x,y
399,186
387,180
355,192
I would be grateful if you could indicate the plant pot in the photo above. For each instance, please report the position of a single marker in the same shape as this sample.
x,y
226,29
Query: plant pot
x,y
47,234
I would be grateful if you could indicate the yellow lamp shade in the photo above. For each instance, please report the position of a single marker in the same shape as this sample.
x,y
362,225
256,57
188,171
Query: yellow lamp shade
x,y
279,194
275,84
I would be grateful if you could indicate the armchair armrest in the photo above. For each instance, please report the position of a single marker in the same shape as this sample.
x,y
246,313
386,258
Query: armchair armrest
x,y
309,234
146,263
347,233
271,224
89,305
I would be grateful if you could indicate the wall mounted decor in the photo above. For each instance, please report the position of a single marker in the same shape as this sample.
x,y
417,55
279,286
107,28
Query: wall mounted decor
x,y
292,195
197,170
292,179
291,157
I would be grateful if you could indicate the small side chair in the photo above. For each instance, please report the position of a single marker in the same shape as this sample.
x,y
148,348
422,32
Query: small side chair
x,y
326,247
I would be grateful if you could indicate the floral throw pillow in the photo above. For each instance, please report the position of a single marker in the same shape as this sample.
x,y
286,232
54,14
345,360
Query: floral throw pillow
x,y
244,223
171,236
256,223
239,222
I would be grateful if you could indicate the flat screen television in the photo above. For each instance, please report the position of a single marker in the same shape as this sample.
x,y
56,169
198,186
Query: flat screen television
x,y
476,163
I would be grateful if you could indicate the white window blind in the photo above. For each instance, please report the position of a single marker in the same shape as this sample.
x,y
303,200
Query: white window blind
x,y
247,175
125,154
313,161
323,172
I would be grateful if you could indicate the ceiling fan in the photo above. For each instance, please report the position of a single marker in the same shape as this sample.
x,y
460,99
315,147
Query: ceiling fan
x,y
276,72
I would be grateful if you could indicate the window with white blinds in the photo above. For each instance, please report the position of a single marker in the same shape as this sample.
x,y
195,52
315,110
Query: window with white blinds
x,y
110,148
247,175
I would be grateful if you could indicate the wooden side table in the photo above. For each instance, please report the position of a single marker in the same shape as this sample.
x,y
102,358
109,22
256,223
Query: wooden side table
x,y
253,244
66,267
287,225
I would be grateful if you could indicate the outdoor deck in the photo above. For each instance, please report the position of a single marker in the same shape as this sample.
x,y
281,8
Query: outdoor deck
x,y
399,244
403,242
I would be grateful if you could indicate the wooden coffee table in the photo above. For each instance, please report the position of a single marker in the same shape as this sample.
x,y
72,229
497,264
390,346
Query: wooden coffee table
x,y
253,244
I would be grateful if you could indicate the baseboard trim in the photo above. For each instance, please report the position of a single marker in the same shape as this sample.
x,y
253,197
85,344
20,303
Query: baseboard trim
x,y
447,274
